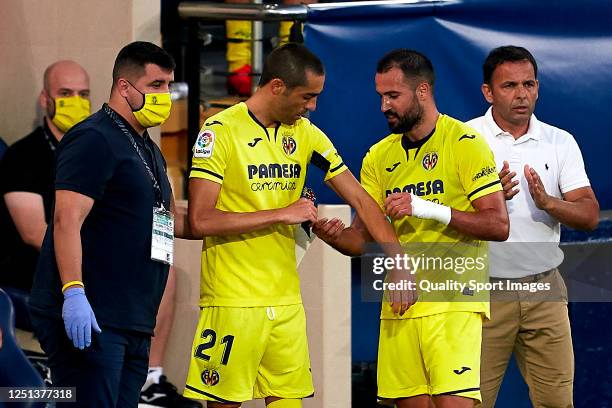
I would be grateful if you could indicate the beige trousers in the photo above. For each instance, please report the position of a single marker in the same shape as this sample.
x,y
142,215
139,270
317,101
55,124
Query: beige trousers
x,y
535,327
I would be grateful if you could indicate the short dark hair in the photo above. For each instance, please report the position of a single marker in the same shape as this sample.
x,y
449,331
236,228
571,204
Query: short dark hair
x,y
412,63
507,53
289,63
132,59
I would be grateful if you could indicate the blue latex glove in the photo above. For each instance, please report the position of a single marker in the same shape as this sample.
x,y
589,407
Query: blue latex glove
x,y
78,317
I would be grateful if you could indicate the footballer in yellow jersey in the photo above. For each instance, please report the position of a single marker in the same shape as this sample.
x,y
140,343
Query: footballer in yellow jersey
x,y
254,274
451,166
266,169
435,178
248,170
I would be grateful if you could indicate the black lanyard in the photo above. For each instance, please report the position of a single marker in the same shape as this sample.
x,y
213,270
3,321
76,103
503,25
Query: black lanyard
x,y
156,188
46,131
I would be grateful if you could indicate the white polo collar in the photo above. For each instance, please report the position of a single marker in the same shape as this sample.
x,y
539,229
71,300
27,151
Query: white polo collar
x,y
532,130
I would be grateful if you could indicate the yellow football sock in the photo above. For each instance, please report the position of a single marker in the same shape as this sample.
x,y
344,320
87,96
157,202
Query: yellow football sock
x,y
238,53
286,403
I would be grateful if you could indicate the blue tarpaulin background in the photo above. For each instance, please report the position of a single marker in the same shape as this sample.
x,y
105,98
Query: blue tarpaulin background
x,y
571,41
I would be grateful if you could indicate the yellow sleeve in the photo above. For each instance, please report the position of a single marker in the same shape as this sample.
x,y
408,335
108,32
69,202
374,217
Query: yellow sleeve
x,y
476,166
211,153
369,181
324,154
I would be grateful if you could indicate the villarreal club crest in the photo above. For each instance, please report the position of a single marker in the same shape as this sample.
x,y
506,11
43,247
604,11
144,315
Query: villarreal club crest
x,y
210,377
289,145
430,160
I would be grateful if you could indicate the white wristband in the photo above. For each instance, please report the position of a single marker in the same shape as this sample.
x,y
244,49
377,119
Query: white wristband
x,y
430,211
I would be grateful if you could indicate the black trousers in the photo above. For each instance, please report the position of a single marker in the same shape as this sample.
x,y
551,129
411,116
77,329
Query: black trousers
x,y
109,373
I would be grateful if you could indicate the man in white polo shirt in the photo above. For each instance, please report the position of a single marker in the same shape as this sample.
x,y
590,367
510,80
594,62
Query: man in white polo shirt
x,y
545,184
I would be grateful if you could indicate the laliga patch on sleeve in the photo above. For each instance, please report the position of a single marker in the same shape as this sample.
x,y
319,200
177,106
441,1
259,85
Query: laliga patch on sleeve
x,y
204,144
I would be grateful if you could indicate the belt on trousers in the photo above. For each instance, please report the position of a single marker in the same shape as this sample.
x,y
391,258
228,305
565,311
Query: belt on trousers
x,y
530,278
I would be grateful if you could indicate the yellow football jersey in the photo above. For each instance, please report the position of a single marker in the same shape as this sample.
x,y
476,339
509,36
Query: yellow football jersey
x,y
258,169
452,166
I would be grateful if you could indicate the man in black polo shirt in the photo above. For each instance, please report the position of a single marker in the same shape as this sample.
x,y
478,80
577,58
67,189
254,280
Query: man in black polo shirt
x,y
102,270
26,178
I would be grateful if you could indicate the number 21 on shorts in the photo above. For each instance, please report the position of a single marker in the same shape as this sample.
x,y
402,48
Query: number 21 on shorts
x,y
210,339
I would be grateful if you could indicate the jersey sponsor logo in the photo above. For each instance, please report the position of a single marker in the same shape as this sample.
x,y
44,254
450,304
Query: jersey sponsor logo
x,y
210,377
420,189
255,141
393,167
289,145
274,170
462,370
285,185
467,137
484,172
214,122
430,160
204,144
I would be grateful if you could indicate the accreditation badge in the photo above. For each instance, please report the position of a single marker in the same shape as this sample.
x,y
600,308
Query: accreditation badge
x,y
162,240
